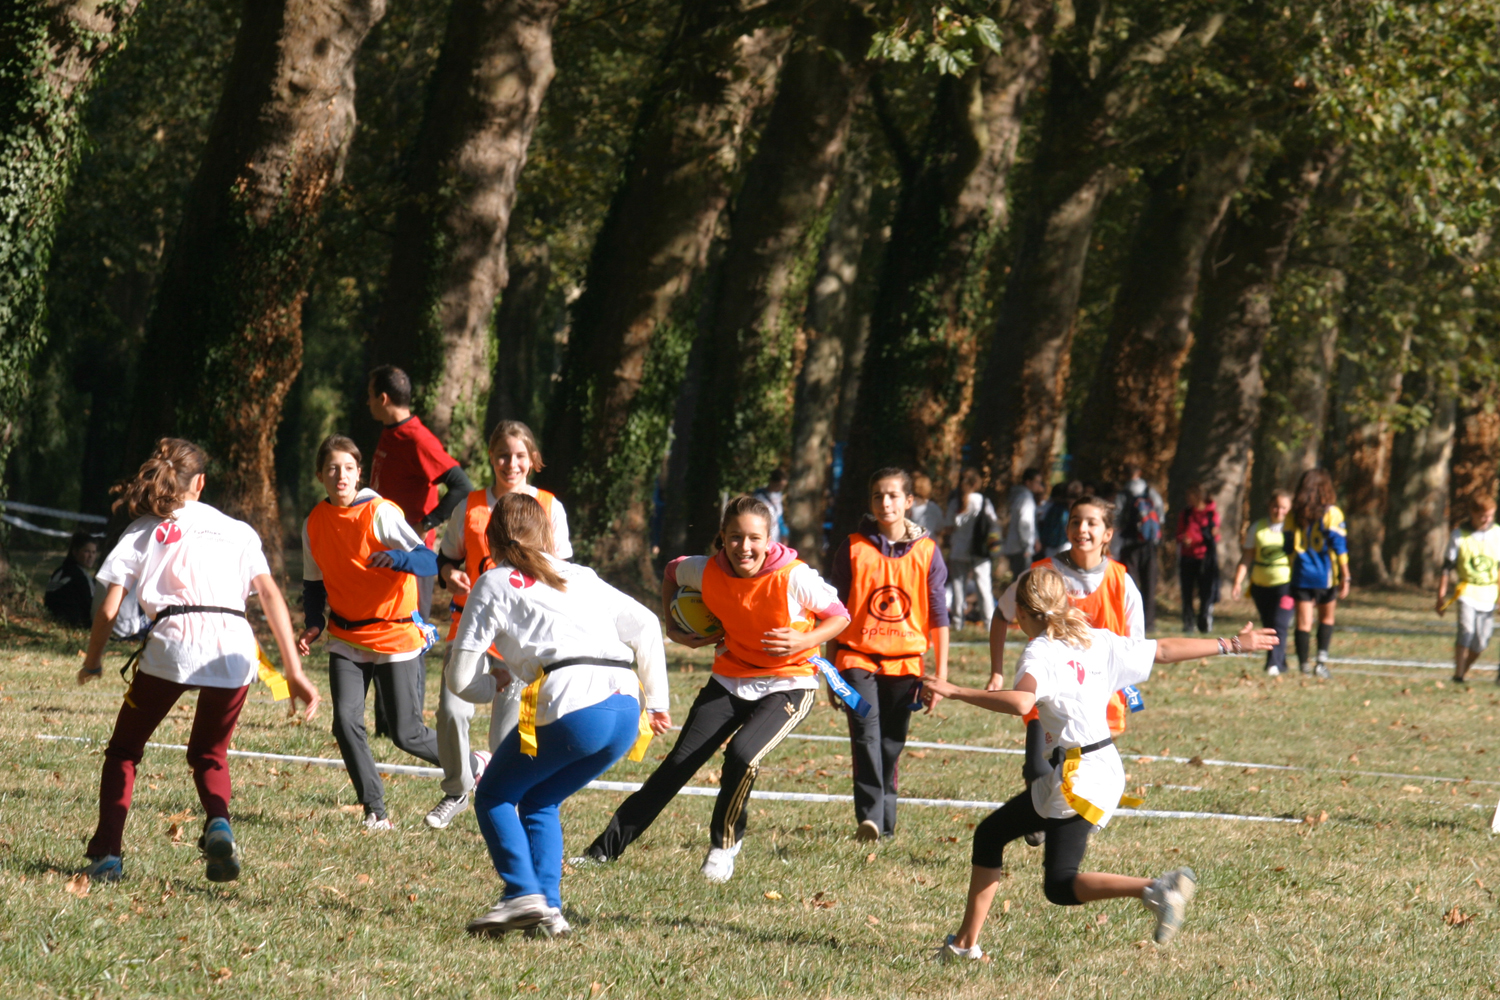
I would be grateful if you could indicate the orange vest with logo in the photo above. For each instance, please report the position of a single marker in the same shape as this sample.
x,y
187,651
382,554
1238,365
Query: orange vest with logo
x,y
477,545
888,600
748,608
1105,609
374,599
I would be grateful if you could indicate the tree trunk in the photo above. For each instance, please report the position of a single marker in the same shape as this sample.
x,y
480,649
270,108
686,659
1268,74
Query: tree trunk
x,y
837,313
775,230
631,328
1417,525
448,255
1476,447
522,340
1131,413
50,55
1225,384
918,373
225,340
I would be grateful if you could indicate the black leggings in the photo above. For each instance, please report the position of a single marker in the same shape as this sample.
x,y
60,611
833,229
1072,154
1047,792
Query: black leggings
x,y
1276,609
1199,578
1067,839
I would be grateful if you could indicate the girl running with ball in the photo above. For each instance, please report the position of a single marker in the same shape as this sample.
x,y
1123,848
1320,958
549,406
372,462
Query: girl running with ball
x,y
1068,673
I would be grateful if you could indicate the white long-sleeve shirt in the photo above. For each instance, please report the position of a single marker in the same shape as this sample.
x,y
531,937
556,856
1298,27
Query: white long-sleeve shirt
x,y
532,625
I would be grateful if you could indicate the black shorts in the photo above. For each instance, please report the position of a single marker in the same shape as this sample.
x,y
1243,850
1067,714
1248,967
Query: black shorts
x,y
1318,595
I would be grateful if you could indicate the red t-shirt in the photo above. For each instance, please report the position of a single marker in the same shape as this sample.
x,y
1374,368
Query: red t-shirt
x,y
409,460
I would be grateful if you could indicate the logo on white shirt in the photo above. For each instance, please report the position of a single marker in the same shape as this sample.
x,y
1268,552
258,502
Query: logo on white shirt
x,y
167,533
520,580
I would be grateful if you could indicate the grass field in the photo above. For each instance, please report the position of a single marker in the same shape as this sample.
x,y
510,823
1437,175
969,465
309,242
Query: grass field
x,y
1391,896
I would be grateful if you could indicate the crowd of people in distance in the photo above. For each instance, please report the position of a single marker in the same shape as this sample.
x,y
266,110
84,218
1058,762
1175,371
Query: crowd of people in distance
x,y
574,670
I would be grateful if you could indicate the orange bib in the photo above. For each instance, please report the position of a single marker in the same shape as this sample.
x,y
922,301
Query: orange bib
x,y
749,608
477,546
375,600
888,599
1105,609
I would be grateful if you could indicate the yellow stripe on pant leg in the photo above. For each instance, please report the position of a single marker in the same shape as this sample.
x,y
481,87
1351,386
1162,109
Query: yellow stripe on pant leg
x,y
1080,805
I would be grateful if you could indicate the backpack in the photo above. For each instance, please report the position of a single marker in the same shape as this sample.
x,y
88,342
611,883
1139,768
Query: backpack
x,y
1142,522
1053,531
986,534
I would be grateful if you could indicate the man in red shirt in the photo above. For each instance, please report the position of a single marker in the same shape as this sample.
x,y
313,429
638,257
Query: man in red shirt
x,y
410,464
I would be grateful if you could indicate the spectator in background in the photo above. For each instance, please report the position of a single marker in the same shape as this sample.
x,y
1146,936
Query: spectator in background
x,y
925,511
973,526
1141,509
773,495
1198,559
1052,518
1021,547
70,589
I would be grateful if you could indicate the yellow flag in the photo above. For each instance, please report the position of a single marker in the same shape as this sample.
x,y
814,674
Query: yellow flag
x,y
272,678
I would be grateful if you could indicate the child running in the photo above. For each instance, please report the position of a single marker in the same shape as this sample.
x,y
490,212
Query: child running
x,y
1265,562
1068,673
361,558
192,568
776,610
1316,539
572,641
892,577
464,555
1472,563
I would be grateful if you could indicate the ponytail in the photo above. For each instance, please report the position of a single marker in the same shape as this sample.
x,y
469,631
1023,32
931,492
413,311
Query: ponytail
x,y
162,481
520,533
1042,591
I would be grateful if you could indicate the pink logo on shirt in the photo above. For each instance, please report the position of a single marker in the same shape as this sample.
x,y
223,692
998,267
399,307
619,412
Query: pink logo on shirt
x,y
1079,667
520,580
167,532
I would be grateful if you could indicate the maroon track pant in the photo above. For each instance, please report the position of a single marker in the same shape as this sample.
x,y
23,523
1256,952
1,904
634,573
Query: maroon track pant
x,y
207,754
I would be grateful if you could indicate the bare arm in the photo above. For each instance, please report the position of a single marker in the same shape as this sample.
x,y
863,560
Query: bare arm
x,y
939,639
1251,640
999,628
1442,595
1018,701
279,619
104,621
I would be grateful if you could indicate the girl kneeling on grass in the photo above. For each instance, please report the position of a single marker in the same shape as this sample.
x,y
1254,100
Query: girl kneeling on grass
x,y
763,685
361,558
571,640
192,569
1068,672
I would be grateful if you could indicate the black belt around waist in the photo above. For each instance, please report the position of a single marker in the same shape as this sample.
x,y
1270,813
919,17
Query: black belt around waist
x,y
879,657
588,661
171,611
355,626
1061,752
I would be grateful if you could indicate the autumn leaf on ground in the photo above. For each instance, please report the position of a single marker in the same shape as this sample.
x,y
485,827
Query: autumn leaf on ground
x,y
773,894
1457,918
78,885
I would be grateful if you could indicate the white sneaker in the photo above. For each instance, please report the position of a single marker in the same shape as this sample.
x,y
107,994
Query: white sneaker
x,y
1322,671
510,915
719,865
444,812
480,763
1167,897
950,951
1274,671
553,925
867,831
376,824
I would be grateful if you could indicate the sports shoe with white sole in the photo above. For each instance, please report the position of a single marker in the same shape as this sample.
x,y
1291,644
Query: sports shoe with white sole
x,y
553,925
1322,671
1274,671
510,915
867,831
443,813
949,951
221,855
377,824
1167,897
106,869
719,865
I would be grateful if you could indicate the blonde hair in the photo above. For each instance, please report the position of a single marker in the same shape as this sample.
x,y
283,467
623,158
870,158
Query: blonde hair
x,y
520,533
1043,592
162,481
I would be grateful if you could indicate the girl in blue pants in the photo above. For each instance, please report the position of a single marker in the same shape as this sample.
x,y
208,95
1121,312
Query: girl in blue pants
x,y
591,660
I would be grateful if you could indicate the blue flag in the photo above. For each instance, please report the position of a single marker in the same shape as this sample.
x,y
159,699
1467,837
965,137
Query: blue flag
x,y
840,687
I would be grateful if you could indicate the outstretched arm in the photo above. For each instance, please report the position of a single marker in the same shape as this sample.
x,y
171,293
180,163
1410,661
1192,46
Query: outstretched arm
x,y
1250,640
1014,702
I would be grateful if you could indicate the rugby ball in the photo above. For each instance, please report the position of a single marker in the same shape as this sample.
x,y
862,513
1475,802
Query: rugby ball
x,y
692,615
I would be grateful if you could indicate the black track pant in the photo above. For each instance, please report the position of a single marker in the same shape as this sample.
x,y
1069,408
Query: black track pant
x,y
1140,562
1067,839
398,687
756,727
1199,579
876,742
1276,609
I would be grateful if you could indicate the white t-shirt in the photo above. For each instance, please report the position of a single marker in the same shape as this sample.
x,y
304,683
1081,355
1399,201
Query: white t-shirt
x,y
1081,584
962,513
532,625
392,531
806,591
453,546
1073,689
198,556
929,515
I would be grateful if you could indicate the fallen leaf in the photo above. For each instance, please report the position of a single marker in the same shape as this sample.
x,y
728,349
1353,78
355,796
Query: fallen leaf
x,y
174,832
352,809
1457,918
595,989
222,975
78,885
1101,919
1410,788
411,897
1195,761
872,920
362,879
1005,906
773,894
947,840
869,857
1354,758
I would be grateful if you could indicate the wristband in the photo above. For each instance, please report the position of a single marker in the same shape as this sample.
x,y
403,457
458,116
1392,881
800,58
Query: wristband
x,y
1223,650
1235,642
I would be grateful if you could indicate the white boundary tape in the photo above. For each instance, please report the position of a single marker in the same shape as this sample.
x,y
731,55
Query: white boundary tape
x,y
64,515
635,786
25,525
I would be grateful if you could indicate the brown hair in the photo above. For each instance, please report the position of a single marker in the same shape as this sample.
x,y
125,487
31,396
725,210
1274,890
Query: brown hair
x,y
1279,492
1314,497
333,443
921,485
1193,495
520,533
1106,508
507,429
1042,591
742,504
891,472
1479,503
969,481
160,483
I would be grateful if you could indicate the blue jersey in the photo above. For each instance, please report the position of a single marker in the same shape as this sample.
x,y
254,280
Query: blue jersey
x,y
1319,554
